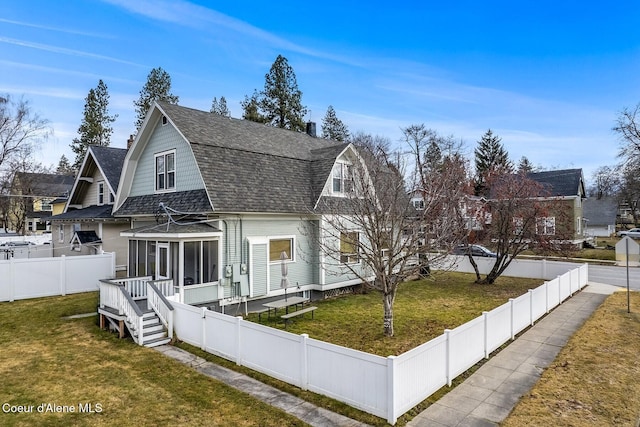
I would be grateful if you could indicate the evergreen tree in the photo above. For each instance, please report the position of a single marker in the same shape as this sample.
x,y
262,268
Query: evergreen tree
x,y
95,128
220,107
333,127
525,166
64,167
491,159
279,104
157,88
251,108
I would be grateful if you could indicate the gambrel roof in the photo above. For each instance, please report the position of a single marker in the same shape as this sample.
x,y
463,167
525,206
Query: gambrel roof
x,y
245,166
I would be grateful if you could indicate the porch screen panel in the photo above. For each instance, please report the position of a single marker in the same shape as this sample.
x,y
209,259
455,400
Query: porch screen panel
x,y
151,259
133,256
192,265
258,270
209,257
142,258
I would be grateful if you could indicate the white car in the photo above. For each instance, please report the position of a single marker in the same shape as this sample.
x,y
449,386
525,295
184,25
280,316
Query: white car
x,y
633,233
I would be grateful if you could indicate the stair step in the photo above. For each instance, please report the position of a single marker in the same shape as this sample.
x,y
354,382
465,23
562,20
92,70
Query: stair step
x,y
157,341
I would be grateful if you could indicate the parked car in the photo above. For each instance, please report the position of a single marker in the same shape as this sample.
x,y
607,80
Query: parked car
x,y
633,233
476,250
15,244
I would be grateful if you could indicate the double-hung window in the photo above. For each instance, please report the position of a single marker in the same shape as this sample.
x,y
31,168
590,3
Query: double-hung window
x,y
546,226
342,179
166,171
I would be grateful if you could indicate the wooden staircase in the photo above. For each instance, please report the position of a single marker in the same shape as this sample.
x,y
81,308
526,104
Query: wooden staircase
x,y
153,330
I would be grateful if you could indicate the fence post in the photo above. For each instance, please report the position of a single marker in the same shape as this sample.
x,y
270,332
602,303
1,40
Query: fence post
x,y
485,320
12,279
511,318
530,292
63,275
559,290
239,340
447,333
546,297
304,362
203,346
391,390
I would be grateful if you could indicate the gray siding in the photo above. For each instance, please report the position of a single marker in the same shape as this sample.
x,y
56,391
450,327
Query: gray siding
x,y
166,138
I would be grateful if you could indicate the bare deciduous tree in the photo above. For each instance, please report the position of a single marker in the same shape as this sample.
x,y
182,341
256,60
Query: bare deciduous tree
x,y
21,130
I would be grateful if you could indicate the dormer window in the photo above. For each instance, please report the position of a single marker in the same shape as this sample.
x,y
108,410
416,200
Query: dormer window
x,y
164,120
166,171
342,179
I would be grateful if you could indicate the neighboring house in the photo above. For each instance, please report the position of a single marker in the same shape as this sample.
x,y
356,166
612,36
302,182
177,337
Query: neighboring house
x,y
566,185
32,200
87,225
600,216
214,201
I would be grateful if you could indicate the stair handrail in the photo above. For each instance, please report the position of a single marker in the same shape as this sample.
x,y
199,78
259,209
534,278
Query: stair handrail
x,y
161,306
125,305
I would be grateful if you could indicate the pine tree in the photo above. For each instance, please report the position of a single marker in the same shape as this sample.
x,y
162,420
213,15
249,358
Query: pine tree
x,y
64,167
251,108
220,107
157,88
333,127
491,158
95,128
279,104
525,166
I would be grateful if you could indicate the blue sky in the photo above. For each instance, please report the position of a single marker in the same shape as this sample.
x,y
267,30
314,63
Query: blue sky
x,y
548,77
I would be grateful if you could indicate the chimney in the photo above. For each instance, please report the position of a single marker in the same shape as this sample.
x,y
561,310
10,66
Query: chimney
x,y
130,141
311,129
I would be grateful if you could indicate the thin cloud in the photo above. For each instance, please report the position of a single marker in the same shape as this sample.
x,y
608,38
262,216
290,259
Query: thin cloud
x,y
65,51
64,71
191,15
56,29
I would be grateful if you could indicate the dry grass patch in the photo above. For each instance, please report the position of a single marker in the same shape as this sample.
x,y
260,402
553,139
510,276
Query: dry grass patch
x,y
47,359
595,379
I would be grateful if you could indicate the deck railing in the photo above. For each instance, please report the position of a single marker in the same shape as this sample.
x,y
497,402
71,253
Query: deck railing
x,y
136,286
115,295
159,303
165,286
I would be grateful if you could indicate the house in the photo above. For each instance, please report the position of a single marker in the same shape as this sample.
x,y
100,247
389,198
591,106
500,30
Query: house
x,y
567,187
215,201
33,196
600,216
87,226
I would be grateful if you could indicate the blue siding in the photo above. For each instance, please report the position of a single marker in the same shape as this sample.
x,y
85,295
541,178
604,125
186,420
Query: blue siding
x,y
258,270
166,138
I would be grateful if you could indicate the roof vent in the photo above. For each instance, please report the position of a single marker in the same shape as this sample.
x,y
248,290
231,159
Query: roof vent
x,y
311,129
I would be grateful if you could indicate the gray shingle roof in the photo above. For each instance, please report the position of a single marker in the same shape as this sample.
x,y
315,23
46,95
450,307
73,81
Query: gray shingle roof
x,y
566,182
45,184
600,211
90,212
250,167
183,201
110,160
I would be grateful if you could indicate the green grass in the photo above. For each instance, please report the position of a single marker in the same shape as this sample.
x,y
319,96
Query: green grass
x,y
422,311
47,359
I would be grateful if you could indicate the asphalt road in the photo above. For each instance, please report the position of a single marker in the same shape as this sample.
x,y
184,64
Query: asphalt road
x,y
616,276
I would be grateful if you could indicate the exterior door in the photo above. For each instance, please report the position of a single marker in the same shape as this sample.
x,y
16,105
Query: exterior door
x,y
162,261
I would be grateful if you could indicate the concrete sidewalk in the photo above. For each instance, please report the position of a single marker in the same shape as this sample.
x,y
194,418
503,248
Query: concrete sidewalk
x,y
487,397
295,406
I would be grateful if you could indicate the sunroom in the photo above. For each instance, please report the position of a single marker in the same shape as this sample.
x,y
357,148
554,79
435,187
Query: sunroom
x,y
187,255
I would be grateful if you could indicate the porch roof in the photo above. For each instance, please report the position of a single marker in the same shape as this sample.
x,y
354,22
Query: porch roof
x,y
174,230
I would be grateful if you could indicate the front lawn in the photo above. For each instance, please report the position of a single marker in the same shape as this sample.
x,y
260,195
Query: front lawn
x,y
46,359
423,310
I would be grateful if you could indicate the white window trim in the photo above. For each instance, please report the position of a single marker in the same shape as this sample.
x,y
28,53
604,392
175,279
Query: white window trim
x,y
155,171
342,165
100,193
358,255
291,237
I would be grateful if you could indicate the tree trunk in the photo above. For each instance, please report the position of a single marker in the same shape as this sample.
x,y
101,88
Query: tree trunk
x,y
475,268
388,314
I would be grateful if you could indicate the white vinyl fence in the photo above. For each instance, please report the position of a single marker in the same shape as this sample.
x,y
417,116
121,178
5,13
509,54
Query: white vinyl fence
x,y
383,386
43,277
